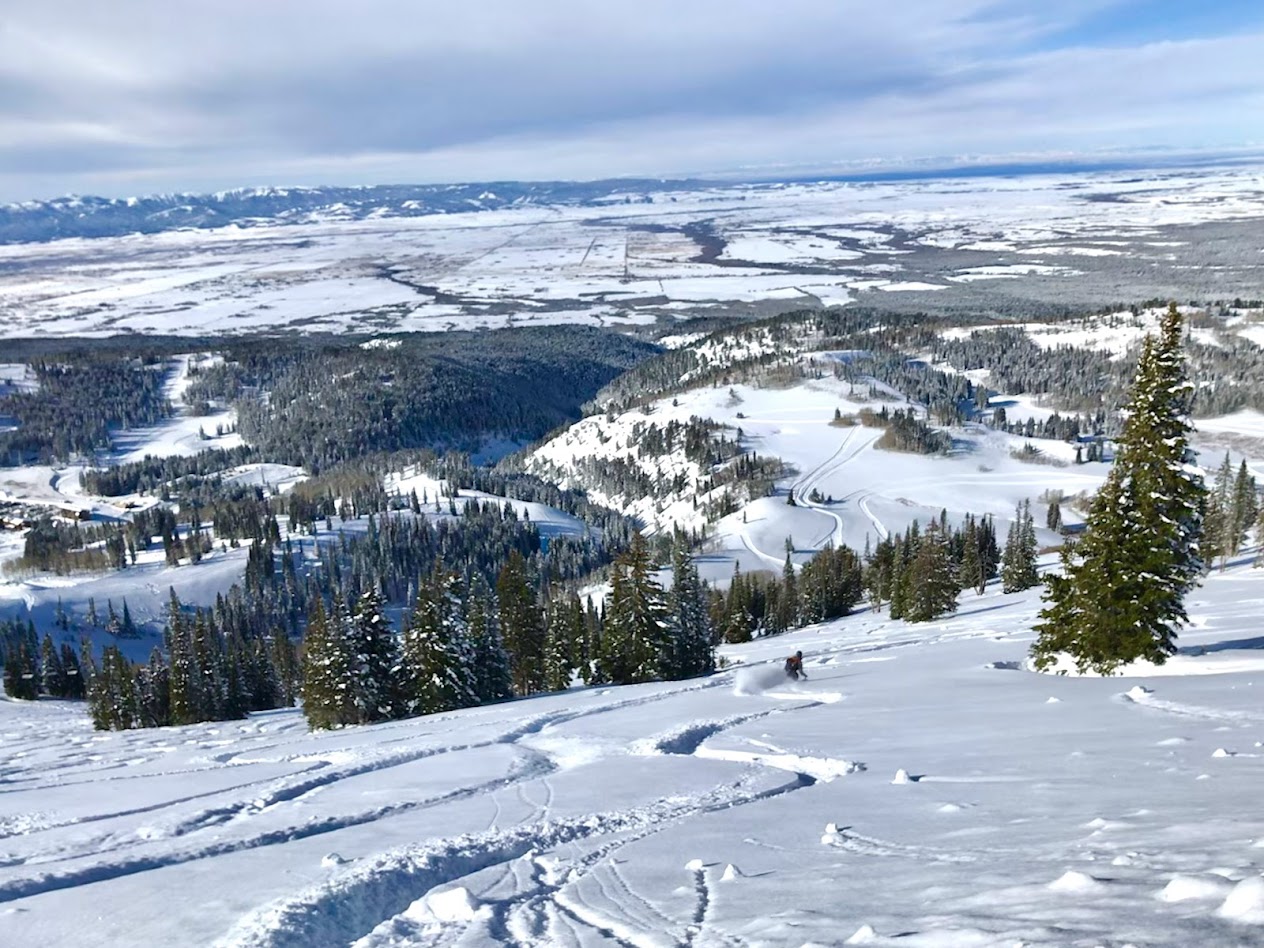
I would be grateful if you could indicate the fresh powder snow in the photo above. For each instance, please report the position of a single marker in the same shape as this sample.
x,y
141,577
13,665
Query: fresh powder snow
x,y
737,809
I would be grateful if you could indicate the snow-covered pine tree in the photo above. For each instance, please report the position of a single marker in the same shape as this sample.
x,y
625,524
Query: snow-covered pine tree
x,y
788,605
112,700
52,672
1245,506
21,676
374,658
74,673
521,625
558,660
326,669
153,691
1218,527
932,586
1053,516
690,621
646,629
739,623
182,677
210,688
492,679
437,657
1018,562
1121,597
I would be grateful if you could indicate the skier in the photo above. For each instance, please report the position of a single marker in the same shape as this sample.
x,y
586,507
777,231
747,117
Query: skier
x,y
794,667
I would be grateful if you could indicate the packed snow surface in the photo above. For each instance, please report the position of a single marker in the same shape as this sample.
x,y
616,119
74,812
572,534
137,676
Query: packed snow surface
x,y
738,809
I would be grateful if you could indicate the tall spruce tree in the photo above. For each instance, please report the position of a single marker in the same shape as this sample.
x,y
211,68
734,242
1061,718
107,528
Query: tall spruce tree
x,y
374,657
1018,562
1121,596
521,625
492,678
932,585
687,612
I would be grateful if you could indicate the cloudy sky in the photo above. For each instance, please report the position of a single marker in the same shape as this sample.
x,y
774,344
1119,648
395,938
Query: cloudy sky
x,y
134,96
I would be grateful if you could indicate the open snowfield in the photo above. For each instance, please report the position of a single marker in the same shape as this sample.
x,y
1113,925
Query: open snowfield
x,y
787,245
866,493
919,789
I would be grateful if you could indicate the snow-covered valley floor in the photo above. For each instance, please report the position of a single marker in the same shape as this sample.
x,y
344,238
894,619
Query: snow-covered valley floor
x,y
733,810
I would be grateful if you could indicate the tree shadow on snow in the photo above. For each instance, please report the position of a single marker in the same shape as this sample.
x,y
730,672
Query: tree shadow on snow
x,y
1226,646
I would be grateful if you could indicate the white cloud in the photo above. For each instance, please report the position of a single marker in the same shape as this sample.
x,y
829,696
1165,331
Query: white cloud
x,y
133,96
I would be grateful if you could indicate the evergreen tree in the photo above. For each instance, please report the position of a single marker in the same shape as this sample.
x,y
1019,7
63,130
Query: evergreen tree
x,y
521,624
932,586
153,691
637,640
558,645
112,699
73,673
1245,506
437,657
1121,598
492,678
1018,563
21,678
1218,526
326,671
374,657
687,612
52,671
1053,517
182,675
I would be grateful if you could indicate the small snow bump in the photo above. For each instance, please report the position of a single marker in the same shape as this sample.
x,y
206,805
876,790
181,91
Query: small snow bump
x,y
1183,888
1221,752
863,935
1139,691
731,872
950,808
1246,902
1052,700
451,905
1203,777
330,860
694,865
902,777
1075,881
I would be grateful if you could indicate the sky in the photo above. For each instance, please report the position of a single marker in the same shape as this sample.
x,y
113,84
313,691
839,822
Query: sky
x,y
142,96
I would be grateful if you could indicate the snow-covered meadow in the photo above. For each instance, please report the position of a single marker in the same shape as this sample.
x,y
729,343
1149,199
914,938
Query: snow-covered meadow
x,y
686,250
920,788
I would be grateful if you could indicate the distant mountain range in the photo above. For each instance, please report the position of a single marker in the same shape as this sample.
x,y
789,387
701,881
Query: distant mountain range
x,y
74,216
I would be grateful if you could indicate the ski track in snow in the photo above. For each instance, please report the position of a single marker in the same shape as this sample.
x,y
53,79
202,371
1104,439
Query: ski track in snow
x,y
679,813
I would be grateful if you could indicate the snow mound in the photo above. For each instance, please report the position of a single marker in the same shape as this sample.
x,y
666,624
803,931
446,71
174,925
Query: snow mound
x,y
1053,701
864,935
902,777
950,808
1077,882
1221,752
1246,902
1184,888
450,905
331,860
731,873
694,865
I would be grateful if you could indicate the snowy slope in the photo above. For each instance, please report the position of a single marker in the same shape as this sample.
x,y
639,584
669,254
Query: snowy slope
x,y
919,789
